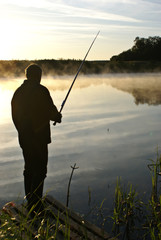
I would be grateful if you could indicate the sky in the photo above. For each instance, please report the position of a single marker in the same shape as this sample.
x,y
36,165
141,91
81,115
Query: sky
x,y
64,29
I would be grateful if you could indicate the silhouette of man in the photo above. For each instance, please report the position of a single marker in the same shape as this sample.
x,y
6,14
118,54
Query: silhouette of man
x,y
32,110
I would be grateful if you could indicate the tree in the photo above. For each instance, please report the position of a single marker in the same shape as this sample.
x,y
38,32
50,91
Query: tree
x,y
144,49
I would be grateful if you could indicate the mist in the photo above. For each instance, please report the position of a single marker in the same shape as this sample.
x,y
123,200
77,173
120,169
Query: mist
x,y
15,68
145,88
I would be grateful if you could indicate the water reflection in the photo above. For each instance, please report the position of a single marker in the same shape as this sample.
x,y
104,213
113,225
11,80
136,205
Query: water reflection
x,y
145,88
103,131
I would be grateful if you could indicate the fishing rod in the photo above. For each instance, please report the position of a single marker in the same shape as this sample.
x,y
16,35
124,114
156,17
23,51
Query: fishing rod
x,y
80,67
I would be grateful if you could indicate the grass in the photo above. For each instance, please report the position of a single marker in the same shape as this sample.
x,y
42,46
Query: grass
x,y
131,217
36,226
8,230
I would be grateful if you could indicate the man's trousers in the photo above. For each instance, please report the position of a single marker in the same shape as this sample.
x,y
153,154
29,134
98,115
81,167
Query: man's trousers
x,y
35,169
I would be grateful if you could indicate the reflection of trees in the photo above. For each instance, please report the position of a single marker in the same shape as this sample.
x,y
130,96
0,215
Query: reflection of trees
x,y
149,96
146,89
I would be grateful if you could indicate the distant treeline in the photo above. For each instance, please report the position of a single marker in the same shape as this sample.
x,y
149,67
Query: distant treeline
x,y
15,68
53,67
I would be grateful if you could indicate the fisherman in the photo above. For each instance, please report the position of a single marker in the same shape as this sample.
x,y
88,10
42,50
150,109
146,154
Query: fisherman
x,y
32,110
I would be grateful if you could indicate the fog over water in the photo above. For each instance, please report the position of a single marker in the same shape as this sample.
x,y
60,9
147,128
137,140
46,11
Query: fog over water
x,y
111,127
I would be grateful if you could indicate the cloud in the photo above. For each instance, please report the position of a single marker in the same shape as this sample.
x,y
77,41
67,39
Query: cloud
x,y
62,18
100,15
104,2
64,22
61,9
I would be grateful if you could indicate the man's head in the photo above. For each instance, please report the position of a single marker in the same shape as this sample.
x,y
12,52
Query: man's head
x,y
33,72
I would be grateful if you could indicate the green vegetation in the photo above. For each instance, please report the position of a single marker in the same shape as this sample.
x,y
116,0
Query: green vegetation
x,y
134,218
131,217
31,226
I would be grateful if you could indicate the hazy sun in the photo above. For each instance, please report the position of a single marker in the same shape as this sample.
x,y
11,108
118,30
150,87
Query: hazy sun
x,y
7,89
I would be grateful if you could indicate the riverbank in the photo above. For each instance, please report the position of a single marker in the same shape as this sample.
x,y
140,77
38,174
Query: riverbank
x,y
15,68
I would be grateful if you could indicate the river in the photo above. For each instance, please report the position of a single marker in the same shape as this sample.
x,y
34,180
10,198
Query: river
x,y
111,128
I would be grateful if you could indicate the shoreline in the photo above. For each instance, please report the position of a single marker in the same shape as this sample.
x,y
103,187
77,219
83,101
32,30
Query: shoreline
x,y
15,68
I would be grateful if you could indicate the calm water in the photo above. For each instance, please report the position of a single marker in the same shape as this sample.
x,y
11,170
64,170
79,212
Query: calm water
x,y
111,127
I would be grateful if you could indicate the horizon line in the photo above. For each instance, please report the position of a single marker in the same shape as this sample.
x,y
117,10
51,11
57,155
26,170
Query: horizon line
x,y
52,59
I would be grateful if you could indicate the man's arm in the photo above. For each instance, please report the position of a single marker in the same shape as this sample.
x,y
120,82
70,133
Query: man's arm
x,y
54,114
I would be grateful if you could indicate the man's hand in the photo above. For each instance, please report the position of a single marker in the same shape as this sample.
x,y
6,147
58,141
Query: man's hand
x,y
58,117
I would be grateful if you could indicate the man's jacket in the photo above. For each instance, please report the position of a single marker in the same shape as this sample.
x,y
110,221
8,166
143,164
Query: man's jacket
x,y
32,110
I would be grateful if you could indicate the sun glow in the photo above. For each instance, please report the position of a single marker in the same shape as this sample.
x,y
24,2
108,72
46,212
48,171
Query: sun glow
x,y
10,37
5,98
6,92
